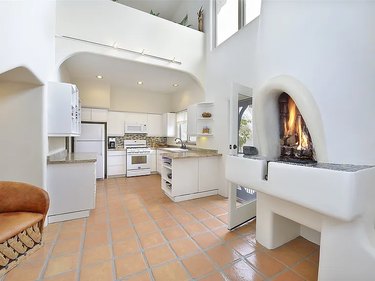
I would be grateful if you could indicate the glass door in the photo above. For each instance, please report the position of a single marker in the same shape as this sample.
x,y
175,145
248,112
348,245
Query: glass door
x,y
242,200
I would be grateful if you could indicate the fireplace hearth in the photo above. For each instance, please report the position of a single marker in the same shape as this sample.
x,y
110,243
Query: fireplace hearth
x,y
295,140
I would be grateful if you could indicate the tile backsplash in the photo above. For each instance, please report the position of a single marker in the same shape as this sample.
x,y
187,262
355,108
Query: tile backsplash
x,y
151,141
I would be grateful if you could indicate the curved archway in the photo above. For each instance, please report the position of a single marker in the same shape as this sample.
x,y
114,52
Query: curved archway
x,y
266,115
21,74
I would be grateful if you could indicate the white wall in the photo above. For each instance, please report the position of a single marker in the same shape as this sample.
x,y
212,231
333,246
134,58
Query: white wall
x,y
181,100
328,46
131,29
139,101
27,41
27,36
21,140
94,93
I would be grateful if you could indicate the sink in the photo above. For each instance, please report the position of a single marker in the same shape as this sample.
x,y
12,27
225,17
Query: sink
x,y
175,149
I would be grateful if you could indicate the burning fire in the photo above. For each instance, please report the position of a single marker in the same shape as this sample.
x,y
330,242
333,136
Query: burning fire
x,y
295,142
292,118
295,125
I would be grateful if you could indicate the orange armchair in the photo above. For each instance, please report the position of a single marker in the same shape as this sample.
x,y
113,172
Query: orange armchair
x,y
23,209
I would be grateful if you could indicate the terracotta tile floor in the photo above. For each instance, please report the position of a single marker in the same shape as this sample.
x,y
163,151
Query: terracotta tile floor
x,y
137,233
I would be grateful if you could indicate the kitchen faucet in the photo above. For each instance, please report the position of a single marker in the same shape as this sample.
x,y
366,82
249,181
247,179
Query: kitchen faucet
x,y
183,145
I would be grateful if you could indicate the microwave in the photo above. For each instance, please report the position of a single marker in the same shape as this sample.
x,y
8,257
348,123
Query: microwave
x,y
135,128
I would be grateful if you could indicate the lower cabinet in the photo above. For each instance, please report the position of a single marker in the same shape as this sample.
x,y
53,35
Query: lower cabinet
x,y
72,190
189,178
116,163
153,161
159,162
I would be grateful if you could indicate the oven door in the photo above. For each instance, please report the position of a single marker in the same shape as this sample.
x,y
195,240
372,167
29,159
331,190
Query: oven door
x,y
138,161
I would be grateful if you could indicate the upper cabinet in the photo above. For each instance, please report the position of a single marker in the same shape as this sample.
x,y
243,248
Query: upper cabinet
x,y
200,119
169,124
64,110
94,115
135,118
154,125
116,123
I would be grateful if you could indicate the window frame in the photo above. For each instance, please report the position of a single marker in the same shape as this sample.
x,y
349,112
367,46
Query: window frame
x,y
241,20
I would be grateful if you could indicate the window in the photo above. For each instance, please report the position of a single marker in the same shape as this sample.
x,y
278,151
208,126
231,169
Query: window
x,y
182,132
181,120
232,15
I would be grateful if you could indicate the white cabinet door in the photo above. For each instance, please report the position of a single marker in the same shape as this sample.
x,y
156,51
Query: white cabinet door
x,y
208,166
115,124
154,125
71,189
184,176
86,114
169,124
159,161
135,118
116,163
153,160
63,109
99,115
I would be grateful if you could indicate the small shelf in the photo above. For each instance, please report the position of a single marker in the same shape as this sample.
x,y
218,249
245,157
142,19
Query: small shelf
x,y
167,166
204,135
207,119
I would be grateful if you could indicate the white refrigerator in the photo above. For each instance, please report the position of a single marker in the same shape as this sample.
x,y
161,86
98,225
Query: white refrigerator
x,y
92,140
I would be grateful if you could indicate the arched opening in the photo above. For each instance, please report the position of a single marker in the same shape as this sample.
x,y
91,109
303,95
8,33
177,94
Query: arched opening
x,y
267,116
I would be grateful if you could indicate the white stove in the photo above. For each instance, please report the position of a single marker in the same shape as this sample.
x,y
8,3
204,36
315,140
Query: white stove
x,y
137,158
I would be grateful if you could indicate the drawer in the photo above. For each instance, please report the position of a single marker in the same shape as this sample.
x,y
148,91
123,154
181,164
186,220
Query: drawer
x,y
116,160
116,153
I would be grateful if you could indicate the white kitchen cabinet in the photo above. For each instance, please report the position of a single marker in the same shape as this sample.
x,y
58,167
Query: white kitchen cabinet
x,y
189,178
116,163
197,124
159,161
71,189
64,110
153,160
94,114
154,125
116,123
169,124
135,118
208,166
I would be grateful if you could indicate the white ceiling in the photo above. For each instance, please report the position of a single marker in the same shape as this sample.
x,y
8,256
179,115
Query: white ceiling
x,y
126,73
166,8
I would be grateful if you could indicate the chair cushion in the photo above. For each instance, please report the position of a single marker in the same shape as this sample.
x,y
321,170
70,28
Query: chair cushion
x,y
13,223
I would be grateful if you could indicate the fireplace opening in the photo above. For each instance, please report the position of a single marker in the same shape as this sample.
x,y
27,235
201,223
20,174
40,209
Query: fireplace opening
x,y
295,140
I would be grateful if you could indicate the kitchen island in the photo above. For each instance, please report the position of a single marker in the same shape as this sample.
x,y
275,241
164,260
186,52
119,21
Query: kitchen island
x,y
71,185
189,174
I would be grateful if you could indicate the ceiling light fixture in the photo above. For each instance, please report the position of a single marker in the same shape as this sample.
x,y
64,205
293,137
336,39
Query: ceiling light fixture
x,y
139,82
175,85
99,76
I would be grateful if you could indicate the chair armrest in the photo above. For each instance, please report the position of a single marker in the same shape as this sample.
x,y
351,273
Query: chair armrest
x,y
22,197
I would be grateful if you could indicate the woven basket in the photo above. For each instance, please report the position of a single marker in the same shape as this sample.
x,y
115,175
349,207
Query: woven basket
x,y
18,247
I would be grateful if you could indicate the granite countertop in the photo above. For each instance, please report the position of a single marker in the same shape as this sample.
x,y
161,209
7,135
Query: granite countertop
x,y
191,154
71,158
328,166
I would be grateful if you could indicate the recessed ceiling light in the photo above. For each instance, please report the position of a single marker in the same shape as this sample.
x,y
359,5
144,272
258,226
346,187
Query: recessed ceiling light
x,y
139,82
175,85
99,76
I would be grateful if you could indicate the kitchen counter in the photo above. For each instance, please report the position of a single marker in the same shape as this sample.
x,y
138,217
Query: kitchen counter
x,y
116,149
69,158
192,154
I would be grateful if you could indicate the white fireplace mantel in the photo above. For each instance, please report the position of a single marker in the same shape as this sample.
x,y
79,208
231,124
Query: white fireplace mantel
x,y
336,200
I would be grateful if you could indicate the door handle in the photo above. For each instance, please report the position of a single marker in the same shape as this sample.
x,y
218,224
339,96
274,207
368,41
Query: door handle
x,y
234,146
230,146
